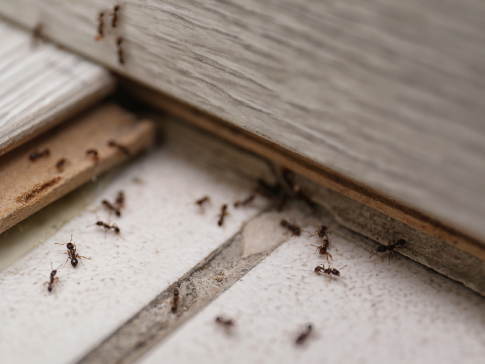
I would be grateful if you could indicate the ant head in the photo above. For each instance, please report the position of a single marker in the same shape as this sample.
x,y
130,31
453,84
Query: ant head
x,y
335,272
176,292
401,242
70,246
99,223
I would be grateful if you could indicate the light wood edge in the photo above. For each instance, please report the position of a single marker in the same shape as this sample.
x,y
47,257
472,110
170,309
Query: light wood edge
x,y
314,171
66,114
136,142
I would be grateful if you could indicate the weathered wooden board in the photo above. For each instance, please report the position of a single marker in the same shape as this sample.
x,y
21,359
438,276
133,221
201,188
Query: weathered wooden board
x,y
42,85
387,92
28,185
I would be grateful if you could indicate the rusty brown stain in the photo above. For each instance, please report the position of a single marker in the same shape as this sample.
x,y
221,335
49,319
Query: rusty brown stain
x,y
36,190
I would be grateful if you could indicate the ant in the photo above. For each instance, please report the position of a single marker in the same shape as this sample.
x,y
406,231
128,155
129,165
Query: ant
x,y
320,269
389,247
36,155
225,323
53,279
202,201
120,147
245,202
100,34
115,228
322,233
304,335
175,300
121,56
120,200
94,153
323,248
295,229
114,14
60,164
72,254
223,214
110,207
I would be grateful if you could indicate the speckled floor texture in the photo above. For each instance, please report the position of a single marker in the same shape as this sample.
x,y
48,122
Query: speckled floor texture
x,y
375,312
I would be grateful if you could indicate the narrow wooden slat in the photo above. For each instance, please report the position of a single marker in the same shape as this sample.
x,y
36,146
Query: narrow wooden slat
x,y
42,85
28,185
385,92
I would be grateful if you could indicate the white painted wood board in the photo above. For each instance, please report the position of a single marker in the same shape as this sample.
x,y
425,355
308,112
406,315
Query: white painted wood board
x,y
42,85
374,313
163,236
387,92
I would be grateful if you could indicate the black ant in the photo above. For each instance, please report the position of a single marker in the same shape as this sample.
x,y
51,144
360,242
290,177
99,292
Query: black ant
x,y
53,279
115,228
60,164
120,200
114,14
120,147
322,232
225,323
100,34
72,254
320,269
94,154
36,155
117,206
121,55
246,201
110,207
304,335
175,300
322,249
295,229
202,201
223,214
390,248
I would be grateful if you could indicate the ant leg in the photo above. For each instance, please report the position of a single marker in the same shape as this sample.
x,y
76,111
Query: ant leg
x,y
65,263
316,247
329,255
81,256
373,254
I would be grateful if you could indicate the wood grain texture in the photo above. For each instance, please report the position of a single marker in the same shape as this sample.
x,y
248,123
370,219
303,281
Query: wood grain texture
x,y
27,185
42,85
388,93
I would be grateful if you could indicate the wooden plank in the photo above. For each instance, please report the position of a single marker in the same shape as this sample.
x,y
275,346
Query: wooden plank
x,y
386,92
28,185
42,86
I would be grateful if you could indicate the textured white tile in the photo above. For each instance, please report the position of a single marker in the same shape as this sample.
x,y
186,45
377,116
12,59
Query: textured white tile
x,y
374,313
163,235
